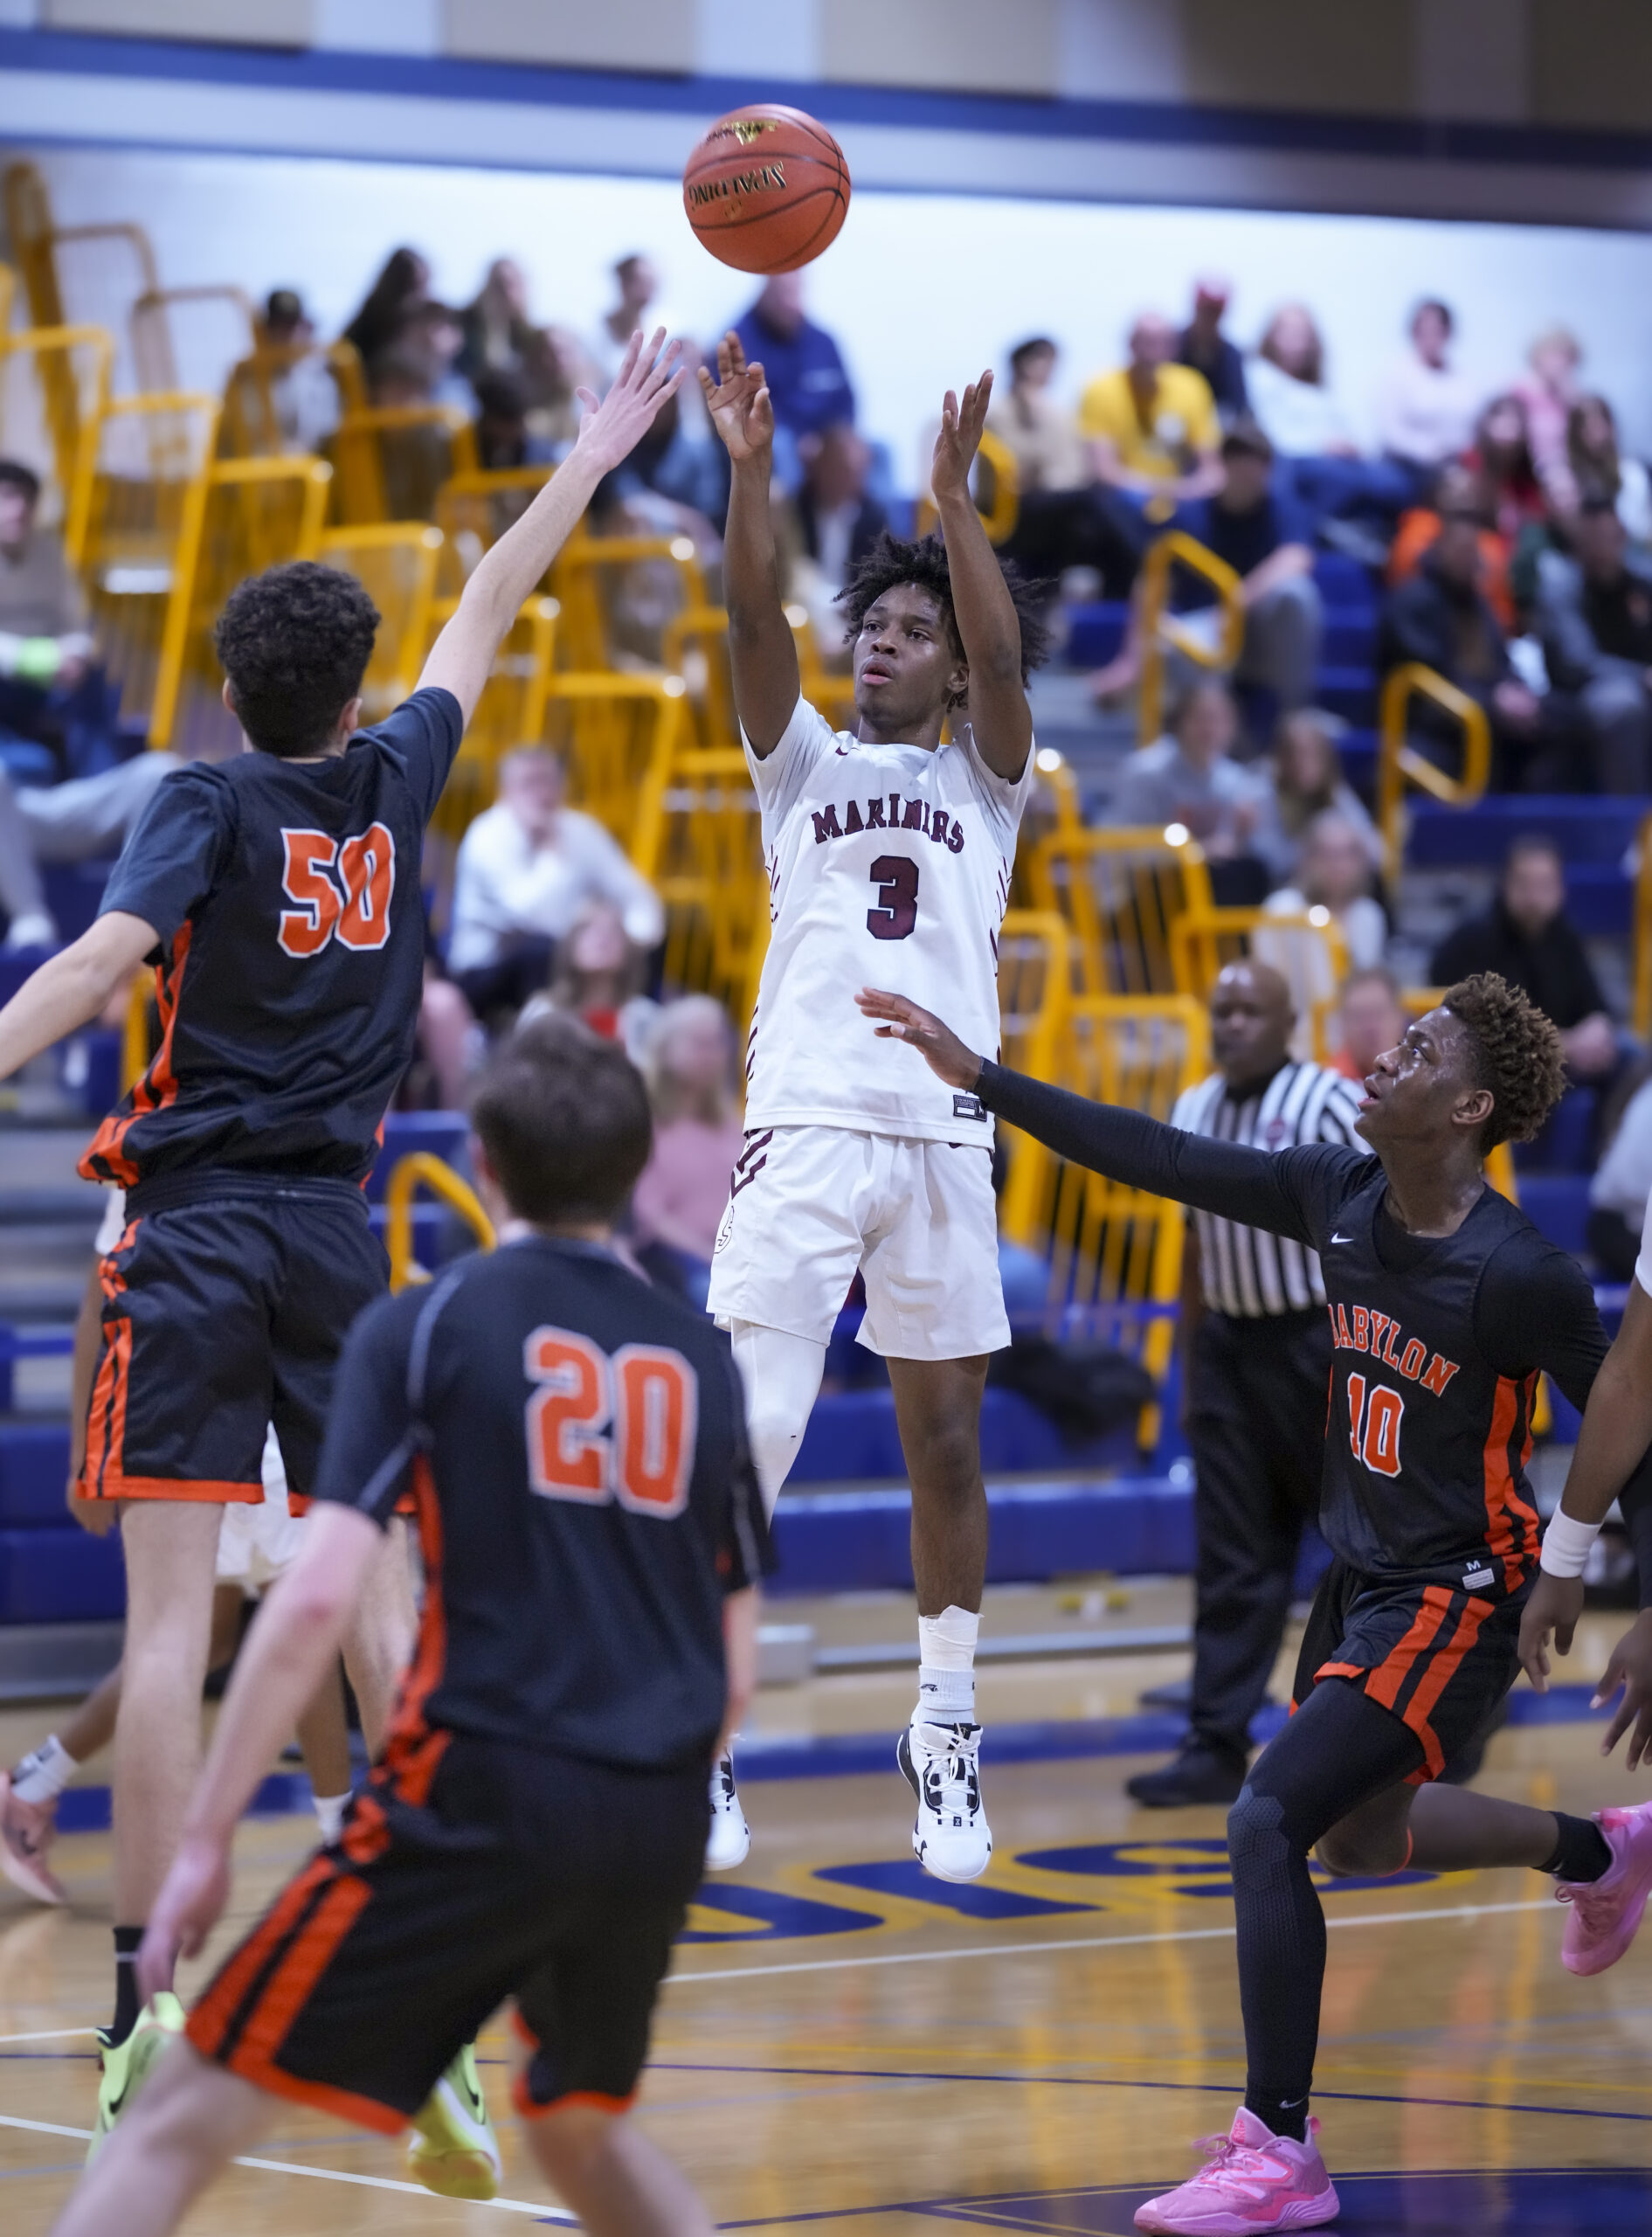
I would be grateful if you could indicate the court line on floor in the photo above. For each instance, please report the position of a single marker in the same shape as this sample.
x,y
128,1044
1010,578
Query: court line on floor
x,y
48,2035
1083,1942
323,2174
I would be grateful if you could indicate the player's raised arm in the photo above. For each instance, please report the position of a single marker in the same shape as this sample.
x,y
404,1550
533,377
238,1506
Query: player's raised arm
x,y
72,986
761,650
463,655
999,716
1249,1186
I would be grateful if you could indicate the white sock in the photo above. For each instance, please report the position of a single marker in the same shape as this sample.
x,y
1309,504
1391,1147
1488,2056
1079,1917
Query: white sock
x,y
946,1666
43,1775
329,1810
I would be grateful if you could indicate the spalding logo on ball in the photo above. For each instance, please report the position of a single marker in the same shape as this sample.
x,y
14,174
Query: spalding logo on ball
x,y
767,188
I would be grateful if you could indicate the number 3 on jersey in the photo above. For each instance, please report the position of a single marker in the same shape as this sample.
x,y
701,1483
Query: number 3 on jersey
x,y
600,1427
316,866
1374,1425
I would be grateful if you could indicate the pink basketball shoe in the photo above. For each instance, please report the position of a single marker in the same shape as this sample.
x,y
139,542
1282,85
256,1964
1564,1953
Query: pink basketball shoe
x,y
1606,1912
1256,2181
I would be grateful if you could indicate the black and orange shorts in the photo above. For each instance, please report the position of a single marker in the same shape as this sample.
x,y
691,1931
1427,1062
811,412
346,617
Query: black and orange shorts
x,y
557,1883
1441,1658
220,1317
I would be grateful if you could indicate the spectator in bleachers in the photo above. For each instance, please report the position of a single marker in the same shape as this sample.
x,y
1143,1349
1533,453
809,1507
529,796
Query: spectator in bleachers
x,y
808,385
1619,1191
1064,517
1457,489
678,1200
1595,616
1600,467
1202,345
837,524
1334,871
1289,398
496,331
1189,778
1309,783
1547,390
302,393
1527,936
1370,1018
1441,616
403,282
528,867
1502,457
1426,408
1151,424
638,282
599,979
1263,536
420,364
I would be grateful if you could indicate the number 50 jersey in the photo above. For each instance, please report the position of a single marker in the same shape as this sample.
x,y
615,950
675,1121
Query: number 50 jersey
x,y
889,866
284,897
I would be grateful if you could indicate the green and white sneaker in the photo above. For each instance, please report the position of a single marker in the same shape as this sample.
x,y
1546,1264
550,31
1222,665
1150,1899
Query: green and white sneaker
x,y
126,2066
453,2151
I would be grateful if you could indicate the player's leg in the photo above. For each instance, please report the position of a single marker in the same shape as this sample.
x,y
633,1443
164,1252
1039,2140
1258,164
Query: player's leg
x,y
28,1792
378,1644
193,2119
324,1740
618,2183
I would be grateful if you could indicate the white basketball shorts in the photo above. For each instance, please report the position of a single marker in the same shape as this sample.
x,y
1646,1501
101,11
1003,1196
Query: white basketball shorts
x,y
256,1543
810,1205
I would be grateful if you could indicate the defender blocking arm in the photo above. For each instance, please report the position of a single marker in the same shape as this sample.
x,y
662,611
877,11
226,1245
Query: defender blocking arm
x,y
72,986
999,715
761,650
463,655
1244,1185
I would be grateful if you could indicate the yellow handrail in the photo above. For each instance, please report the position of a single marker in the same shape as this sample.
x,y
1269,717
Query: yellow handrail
x,y
1399,764
419,1168
74,432
1160,628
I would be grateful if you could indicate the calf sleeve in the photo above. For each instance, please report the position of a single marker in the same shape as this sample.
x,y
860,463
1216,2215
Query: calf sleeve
x,y
1337,1751
781,1375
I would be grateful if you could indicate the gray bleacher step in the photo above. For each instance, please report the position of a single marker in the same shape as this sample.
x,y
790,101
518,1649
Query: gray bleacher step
x,y
46,1662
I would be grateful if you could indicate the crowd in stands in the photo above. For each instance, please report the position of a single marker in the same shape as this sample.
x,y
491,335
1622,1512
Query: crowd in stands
x,y
1508,537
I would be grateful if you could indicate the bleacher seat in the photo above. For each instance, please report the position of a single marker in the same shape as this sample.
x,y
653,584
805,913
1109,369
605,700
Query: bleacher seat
x,y
51,1571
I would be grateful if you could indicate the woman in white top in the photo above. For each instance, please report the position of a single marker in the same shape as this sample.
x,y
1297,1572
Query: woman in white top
x,y
1426,408
1286,384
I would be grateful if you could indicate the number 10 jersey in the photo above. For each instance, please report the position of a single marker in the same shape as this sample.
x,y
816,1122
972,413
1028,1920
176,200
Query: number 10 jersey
x,y
889,867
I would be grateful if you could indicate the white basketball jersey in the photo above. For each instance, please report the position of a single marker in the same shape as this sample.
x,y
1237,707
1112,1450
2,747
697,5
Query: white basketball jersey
x,y
889,867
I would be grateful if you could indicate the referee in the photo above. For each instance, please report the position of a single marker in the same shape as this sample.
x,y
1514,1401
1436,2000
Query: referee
x,y
1256,1355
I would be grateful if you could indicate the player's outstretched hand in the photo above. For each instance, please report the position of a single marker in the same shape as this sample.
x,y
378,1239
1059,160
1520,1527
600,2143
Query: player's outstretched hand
x,y
189,1905
615,423
1554,1607
959,439
1630,1666
898,1020
739,402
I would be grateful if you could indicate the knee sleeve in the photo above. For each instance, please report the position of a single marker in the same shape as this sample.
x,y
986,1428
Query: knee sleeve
x,y
781,1375
1258,1846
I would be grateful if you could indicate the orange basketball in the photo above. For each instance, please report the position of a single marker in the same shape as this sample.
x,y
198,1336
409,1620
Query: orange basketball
x,y
767,188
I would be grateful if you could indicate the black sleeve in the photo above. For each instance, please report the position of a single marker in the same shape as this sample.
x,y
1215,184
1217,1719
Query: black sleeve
x,y
1535,1309
745,1551
175,853
423,734
367,1455
1295,1192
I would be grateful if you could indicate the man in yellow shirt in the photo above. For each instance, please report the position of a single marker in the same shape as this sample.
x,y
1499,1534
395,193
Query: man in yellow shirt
x,y
1152,426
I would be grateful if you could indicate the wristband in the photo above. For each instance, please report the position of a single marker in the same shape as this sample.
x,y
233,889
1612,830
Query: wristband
x,y
1565,1545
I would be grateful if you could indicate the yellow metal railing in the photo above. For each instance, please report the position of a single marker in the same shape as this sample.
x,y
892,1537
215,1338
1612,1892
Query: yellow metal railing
x,y
1118,892
1400,764
1161,631
397,562
1306,947
74,365
420,1169
392,459
619,735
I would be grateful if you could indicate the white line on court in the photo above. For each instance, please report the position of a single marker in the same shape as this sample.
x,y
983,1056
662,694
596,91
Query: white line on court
x,y
48,2035
322,2174
1087,1942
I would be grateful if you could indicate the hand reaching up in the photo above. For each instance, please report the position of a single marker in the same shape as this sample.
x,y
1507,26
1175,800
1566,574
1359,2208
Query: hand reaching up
x,y
959,439
615,423
896,1019
739,403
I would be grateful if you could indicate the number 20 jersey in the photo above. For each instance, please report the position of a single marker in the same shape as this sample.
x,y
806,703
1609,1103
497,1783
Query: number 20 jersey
x,y
889,867
286,899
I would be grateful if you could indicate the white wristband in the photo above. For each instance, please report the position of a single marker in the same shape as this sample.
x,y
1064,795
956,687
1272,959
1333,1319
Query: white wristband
x,y
1565,1545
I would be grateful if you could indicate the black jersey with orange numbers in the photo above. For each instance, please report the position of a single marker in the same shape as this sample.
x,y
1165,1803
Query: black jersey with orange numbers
x,y
576,1444
286,900
1438,1340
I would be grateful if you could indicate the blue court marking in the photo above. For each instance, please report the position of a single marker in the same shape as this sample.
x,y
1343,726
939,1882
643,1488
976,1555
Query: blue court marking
x,y
975,1900
1208,1858
782,1917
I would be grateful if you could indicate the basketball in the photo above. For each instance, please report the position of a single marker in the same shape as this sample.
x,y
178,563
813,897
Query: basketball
x,y
767,188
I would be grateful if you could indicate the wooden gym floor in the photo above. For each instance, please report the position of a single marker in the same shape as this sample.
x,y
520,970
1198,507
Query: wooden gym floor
x,y
844,2041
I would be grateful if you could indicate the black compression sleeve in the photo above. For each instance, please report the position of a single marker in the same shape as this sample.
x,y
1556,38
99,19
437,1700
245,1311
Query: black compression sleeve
x,y
1288,1192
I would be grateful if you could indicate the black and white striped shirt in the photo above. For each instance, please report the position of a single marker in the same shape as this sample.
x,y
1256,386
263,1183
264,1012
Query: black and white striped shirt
x,y
1243,1271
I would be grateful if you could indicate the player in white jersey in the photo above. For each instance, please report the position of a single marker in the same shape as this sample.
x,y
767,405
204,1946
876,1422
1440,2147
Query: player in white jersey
x,y
889,855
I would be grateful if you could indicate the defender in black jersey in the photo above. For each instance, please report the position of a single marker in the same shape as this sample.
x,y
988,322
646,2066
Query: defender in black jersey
x,y
278,896
591,1531
1445,1305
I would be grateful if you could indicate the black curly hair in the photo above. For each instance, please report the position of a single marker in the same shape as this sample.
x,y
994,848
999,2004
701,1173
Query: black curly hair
x,y
892,562
295,642
1516,1052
